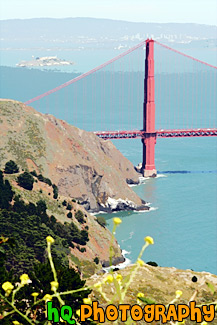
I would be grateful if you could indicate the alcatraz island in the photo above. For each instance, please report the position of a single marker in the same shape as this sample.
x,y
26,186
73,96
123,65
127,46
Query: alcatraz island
x,y
44,61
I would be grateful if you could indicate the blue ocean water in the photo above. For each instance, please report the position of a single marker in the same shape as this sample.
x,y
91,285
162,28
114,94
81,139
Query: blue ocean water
x,y
183,198
183,215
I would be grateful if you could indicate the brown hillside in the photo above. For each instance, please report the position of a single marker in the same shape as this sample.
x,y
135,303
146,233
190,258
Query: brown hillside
x,y
78,162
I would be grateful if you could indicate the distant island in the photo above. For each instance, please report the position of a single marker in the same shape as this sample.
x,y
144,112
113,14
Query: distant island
x,y
44,61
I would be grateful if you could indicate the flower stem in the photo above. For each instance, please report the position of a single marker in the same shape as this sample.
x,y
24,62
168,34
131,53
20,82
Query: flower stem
x,y
16,310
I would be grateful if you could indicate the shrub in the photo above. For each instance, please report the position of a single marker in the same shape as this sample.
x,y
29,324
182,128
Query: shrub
x,y
194,279
96,260
101,220
55,191
45,180
81,249
53,219
79,216
73,200
77,236
64,203
26,181
152,263
6,193
84,235
69,207
33,173
40,177
11,167
69,215
41,210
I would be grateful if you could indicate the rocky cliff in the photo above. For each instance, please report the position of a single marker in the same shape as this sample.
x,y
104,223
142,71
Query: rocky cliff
x,y
83,166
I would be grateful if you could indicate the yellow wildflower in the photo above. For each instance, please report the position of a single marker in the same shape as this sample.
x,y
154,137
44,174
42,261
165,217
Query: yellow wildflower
x,y
54,285
35,294
50,240
108,279
7,286
98,285
149,240
204,323
78,312
119,277
140,262
15,322
87,301
140,295
117,221
178,294
24,278
47,297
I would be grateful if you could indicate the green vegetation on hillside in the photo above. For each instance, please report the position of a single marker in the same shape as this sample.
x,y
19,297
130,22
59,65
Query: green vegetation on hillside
x,y
29,225
11,167
25,180
101,221
24,228
35,288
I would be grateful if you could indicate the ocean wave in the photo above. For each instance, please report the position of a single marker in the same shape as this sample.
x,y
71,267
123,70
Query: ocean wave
x,y
151,209
160,175
95,213
130,237
142,180
121,265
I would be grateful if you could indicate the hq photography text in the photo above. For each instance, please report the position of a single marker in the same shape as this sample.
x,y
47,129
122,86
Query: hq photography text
x,y
150,313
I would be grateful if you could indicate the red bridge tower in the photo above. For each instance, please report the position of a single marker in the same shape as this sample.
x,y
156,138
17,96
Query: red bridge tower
x,y
148,165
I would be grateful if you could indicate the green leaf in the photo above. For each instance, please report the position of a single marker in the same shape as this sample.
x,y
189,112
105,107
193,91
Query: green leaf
x,y
211,287
2,251
147,301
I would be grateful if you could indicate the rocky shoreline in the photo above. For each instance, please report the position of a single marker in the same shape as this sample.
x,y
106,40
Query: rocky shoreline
x,y
116,205
109,204
115,261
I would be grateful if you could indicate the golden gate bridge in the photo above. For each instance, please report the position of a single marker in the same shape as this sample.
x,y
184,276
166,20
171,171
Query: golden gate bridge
x,y
193,111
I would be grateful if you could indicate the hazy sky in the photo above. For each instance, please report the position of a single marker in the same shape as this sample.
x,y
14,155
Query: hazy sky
x,y
194,11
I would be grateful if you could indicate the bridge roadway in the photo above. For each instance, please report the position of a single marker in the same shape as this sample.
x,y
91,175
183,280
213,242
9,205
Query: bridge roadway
x,y
134,134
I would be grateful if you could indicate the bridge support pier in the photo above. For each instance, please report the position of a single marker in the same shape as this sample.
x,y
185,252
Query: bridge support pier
x,y
148,164
149,142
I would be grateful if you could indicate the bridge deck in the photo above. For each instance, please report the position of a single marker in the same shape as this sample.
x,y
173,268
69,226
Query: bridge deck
x,y
133,134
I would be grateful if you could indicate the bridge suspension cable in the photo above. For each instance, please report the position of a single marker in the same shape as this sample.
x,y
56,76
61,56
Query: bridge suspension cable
x,y
186,55
110,96
85,74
